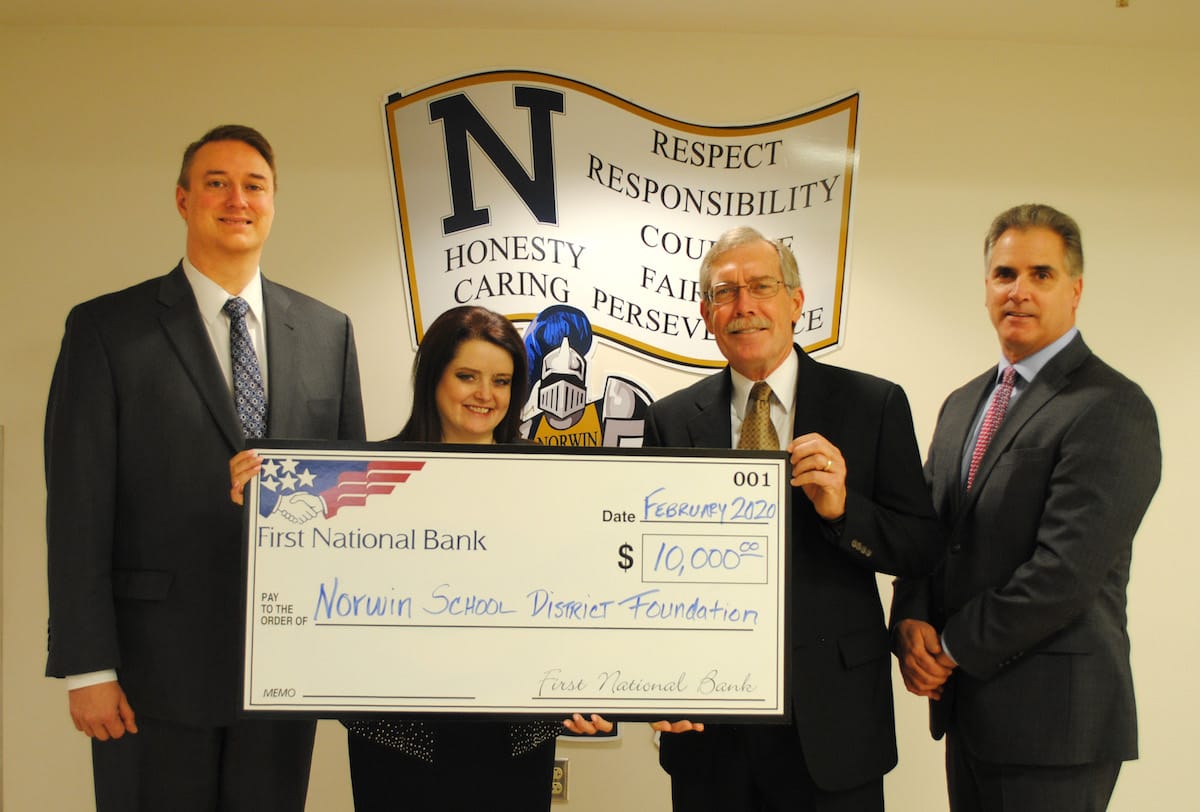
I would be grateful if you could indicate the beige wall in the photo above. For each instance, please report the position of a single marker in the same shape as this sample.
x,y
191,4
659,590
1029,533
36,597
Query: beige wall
x,y
950,133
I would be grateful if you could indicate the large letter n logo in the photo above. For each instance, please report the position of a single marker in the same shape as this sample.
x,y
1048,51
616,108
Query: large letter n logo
x,y
460,118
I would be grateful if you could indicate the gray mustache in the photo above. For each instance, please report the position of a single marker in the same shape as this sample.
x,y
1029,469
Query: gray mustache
x,y
751,323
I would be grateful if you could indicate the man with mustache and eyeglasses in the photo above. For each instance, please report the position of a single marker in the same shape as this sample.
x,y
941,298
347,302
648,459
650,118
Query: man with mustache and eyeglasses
x,y
859,506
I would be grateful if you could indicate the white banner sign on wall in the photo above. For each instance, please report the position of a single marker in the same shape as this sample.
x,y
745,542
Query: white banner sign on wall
x,y
518,191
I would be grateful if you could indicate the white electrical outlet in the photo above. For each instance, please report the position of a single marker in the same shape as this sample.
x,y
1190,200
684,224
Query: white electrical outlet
x,y
558,780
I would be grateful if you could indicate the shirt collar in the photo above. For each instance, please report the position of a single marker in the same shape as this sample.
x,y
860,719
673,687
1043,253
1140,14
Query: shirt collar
x,y
1028,368
211,297
782,382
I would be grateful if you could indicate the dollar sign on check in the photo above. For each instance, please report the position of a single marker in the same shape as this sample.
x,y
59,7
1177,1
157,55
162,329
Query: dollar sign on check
x,y
626,559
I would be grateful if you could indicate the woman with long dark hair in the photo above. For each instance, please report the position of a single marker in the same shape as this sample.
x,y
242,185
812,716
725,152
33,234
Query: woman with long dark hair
x,y
469,381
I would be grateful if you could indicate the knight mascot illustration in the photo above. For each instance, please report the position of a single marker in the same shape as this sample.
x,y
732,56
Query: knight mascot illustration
x,y
558,342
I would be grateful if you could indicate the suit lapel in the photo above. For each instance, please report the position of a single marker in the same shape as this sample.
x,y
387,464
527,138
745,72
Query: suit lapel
x,y
709,426
809,376
283,373
954,432
1048,383
185,330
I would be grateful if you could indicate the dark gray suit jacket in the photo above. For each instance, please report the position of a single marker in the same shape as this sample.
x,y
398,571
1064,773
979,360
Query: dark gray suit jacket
x,y
144,543
1030,595
841,691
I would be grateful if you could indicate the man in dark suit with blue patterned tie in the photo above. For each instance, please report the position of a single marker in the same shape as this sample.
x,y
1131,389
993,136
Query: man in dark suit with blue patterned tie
x,y
1019,638
144,544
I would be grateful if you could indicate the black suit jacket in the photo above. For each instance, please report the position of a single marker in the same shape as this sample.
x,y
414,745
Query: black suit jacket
x,y
1030,595
144,543
841,691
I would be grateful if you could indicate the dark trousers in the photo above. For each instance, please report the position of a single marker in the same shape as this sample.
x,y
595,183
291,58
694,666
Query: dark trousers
x,y
250,766
473,769
979,786
759,768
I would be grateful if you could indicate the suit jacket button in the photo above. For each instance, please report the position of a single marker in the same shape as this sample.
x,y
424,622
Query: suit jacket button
x,y
955,548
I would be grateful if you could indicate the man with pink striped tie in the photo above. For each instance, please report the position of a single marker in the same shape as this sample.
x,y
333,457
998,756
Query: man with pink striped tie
x,y
1041,470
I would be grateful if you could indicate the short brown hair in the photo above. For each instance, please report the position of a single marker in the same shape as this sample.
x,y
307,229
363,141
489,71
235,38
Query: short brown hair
x,y
228,132
1039,215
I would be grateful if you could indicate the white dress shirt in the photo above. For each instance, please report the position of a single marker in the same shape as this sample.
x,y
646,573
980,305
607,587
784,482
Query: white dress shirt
x,y
783,399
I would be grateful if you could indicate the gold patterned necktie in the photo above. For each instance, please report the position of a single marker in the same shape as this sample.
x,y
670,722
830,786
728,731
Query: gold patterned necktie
x,y
758,432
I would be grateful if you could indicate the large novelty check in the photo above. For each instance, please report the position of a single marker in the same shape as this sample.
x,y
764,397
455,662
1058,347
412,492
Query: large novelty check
x,y
518,580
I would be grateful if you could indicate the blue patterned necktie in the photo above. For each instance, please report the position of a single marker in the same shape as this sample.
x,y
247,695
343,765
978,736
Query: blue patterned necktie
x,y
248,394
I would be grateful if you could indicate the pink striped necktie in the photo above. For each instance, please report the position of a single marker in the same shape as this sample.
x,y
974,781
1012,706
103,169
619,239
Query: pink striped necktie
x,y
991,421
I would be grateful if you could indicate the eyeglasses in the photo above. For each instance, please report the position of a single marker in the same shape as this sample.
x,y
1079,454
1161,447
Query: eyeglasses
x,y
758,289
